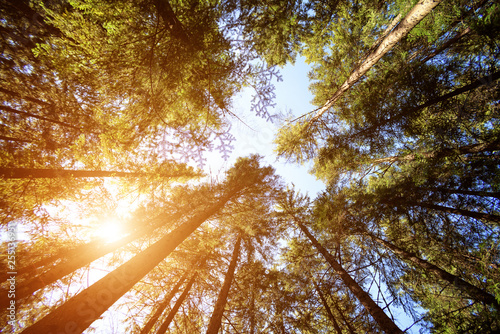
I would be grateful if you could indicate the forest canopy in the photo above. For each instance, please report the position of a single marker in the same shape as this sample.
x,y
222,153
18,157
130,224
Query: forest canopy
x,y
110,222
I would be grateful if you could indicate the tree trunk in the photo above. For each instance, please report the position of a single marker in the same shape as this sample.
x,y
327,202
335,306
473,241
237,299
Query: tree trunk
x,y
79,257
41,173
90,251
465,192
349,326
446,45
445,152
409,111
27,98
472,8
42,118
6,138
385,323
252,311
64,254
414,16
327,308
32,16
462,212
171,21
395,21
216,319
82,310
471,290
162,306
163,328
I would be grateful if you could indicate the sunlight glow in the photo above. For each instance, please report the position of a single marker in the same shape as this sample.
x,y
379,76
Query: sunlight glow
x,y
110,230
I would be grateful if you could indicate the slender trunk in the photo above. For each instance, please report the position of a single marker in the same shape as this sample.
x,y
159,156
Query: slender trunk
x,y
252,311
282,322
41,173
162,306
462,212
445,152
171,21
385,323
42,118
27,98
347,322
446,45
63,254
471,290
414,16
410,111
163,328
395,21
216,319
6,138
327,308
473,261
82,310
89,251
465,192
35,17
460,19
77,258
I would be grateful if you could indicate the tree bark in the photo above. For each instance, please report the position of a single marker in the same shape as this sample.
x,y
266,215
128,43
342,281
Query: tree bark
x,y
82,310
446,45
465,192
42,118
385,323
445,152
471,290
216,319
409,111
23,7
252,310
45,173
462,212
327,308
414,16
6,138
79,257
349,326
162,306
164,326
27,98
171,21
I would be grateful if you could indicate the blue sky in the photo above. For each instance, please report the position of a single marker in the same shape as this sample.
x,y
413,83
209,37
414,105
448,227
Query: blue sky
x,y
256,135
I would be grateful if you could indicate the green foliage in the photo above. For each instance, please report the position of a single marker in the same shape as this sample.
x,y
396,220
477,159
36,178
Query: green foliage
x,y
409,154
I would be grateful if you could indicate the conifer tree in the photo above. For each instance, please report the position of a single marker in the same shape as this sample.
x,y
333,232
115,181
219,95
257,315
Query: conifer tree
x,y
244,179
216,318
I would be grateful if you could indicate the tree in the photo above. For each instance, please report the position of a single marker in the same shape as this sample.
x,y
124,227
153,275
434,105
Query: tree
x,y
335,62
405,136
115,284
157,86
215,320
375,311
328,309
290,205
17,173
161,307
414,16
468,288
76,258
436,253
164,326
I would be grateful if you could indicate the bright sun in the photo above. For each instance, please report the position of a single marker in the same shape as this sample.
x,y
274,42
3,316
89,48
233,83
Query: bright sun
x,y
110,230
